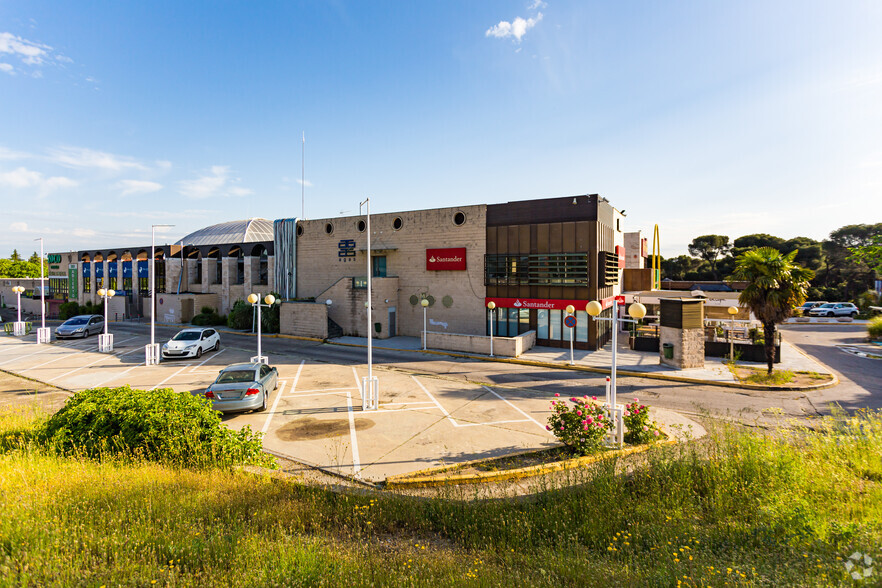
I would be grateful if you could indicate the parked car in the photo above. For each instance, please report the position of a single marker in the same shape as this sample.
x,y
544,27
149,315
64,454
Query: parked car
x,y
191,343
835,309
243,386
805,308
80,326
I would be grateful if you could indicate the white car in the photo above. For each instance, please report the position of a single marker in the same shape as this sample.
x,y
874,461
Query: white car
x,y
835,309
191,343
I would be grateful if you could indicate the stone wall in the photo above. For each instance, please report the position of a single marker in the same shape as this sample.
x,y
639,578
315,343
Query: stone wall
x,y
304,319
688,347
348,310
504,346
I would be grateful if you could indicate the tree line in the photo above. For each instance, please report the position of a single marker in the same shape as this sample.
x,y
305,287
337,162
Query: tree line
x,y
17,267
845,265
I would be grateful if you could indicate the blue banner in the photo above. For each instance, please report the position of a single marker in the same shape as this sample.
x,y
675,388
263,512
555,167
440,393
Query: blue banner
x,y
143,269
112,269
87,270
99,270
127,269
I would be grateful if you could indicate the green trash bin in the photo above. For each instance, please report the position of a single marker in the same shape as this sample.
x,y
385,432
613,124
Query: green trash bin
x,y
668,350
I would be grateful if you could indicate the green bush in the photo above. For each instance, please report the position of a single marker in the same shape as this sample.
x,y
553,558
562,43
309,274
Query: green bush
x,y
241,316
209,318
874,327
158,425
68,310
638,428
582,427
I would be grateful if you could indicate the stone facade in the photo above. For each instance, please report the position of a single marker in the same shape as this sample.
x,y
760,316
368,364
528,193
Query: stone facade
x,y
688,347
304,319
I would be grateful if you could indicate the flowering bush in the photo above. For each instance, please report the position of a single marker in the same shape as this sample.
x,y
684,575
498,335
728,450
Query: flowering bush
x,y
580,424
638,429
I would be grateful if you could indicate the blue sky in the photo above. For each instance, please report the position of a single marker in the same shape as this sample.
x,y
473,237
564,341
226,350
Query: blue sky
x,y
703,117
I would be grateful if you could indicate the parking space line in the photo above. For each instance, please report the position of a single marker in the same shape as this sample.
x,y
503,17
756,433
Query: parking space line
x,y
43,350
324,389
438,404
492,423
356,465
404,403
45,363
408,409
117,376
181,370
302,394
493,392
269,417
91,364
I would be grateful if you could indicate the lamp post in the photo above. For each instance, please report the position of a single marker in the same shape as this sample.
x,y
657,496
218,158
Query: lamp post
x,y
18,329
105,341
491,305
254,299
152,350
570,310
43,335
732,310
637,311
370,386
424,303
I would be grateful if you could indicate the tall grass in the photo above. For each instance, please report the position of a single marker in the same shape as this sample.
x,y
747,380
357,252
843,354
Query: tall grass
x,y
740,508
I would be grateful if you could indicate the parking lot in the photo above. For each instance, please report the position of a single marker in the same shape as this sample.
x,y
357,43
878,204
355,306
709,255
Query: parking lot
x,y
315,416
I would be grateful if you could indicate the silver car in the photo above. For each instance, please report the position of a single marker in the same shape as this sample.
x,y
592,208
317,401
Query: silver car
x,y
191,343
835,309
243,386
80,326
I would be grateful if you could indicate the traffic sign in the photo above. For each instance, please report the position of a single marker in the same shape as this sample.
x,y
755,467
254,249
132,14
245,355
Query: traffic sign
x,y
570,321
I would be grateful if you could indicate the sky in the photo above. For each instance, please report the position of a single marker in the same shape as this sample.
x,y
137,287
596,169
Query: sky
x,y
702,117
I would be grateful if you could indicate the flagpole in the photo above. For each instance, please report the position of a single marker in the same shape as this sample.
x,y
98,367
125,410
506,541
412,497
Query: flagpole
x,y
303,177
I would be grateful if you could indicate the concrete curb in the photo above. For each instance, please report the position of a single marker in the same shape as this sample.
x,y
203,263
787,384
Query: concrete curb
x,y
620,372
414,481
17,375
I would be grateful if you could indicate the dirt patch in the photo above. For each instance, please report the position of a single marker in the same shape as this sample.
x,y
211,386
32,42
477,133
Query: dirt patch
x,y
16,392
313,428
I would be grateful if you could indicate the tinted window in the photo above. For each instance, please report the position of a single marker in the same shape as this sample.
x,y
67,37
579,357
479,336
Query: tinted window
x,y
209,332
75,322
95,320
186,336
235,376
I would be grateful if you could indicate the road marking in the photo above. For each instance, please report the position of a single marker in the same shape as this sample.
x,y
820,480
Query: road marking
x,y
493,392
65,356
404,403
438,404
356,462
43,350
116,377
91,364
324,389
269,417
408,409
179,371
492,423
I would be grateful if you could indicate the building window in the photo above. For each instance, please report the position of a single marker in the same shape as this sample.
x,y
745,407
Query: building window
x,y
459,219
112,283
378,263
219,270
159,268
397,223
127,285
199,270
537,269
263,268
554,322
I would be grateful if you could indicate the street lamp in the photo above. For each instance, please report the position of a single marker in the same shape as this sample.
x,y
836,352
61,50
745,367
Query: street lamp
x,y
570,310
105,341
152,350
43,335
637,311
254,299
732,310
370,398
19,326
491,305
424,303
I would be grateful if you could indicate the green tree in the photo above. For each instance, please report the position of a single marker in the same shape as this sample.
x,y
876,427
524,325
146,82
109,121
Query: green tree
x,y
776,284
709,248
35,259
15,256
869,254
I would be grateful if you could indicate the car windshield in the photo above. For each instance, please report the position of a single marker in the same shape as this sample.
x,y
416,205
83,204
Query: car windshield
x,y
187,336
236,376
75,322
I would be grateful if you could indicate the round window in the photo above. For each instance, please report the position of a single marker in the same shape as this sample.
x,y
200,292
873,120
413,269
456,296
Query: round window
x,y
329,228
459,218
299,230
397,223
361,226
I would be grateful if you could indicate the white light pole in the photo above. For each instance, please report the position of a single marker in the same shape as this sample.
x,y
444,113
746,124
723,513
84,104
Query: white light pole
x,y
43,335
424,303
491,306
105,341
732,310
254,299
19,328
637,311
152,350
570,311
370,385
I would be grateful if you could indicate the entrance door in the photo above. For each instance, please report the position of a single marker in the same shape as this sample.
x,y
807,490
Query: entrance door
x,y
392,331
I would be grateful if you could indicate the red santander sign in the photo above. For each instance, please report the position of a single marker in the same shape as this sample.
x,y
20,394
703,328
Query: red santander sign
x,y
453,258
553,304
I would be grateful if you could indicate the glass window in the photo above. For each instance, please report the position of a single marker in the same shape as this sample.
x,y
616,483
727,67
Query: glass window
x,y
554,324
542,324
582,326
524,322
378,263
501,322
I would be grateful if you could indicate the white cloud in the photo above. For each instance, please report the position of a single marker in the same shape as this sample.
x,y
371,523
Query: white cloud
x,y
9,154
80,157
306,183
130,187
537,4
515,29
30,53
216,184
22,178
19,227
7,68
84,233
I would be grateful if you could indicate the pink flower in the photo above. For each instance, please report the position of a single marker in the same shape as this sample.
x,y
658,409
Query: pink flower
x,y
600,417
645,428
594,398
636,400
585,428
547,427
561,427
589,420
655,433
557,394
642,406
579,412
585,397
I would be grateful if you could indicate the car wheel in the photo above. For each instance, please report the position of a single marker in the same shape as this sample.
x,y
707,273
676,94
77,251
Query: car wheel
x,y
198,352
829,314
853,314
217,345
263,406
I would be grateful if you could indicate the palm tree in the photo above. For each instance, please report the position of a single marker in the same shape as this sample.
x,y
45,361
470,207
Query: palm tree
x,y
775,286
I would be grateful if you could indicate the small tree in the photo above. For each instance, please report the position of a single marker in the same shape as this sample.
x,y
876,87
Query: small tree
x,y
15,256
776,284
709,248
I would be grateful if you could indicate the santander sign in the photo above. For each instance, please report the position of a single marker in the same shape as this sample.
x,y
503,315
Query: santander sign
x,y
450,259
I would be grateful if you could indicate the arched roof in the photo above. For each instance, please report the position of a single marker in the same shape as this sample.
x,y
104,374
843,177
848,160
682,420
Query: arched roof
x,y
241,231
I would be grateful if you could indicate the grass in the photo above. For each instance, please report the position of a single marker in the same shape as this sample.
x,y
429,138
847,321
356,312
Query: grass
x,y
739,507
776,378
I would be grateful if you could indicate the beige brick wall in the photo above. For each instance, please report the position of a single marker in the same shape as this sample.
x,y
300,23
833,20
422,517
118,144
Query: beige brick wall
x,y
688,347
304,319
319,266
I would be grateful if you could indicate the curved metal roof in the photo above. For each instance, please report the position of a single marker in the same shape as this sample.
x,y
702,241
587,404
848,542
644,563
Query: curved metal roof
x,y
241,231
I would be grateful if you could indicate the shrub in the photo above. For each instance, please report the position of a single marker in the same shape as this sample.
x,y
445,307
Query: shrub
x,y
581,427
159,425
241,316
874,327
208,317
68,310
638,428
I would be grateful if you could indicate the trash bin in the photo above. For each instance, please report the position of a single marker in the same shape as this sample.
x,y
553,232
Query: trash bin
x,y
668,350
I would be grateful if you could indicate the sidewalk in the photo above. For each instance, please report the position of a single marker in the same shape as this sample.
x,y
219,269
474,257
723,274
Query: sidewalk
x,y
628,362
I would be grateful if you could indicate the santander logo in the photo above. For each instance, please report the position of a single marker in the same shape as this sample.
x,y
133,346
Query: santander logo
x,y
517,304
432,259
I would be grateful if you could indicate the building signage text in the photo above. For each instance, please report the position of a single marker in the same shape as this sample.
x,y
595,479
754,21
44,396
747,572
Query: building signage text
x,y
346,250
620,252
453,258
550,304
